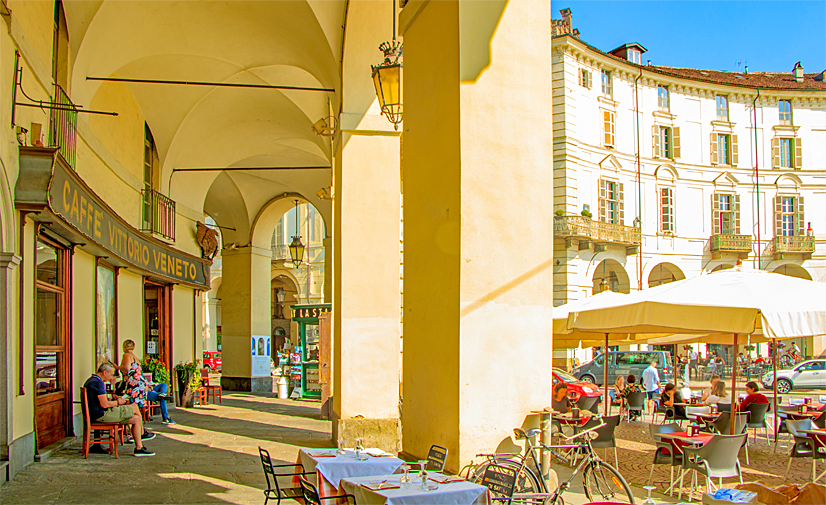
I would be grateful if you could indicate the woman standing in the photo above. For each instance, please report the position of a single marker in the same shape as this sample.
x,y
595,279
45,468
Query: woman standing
x,y
136,387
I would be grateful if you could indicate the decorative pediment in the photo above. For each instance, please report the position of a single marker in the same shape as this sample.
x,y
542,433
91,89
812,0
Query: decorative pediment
x,y
788,181
610,163
666,173
726,180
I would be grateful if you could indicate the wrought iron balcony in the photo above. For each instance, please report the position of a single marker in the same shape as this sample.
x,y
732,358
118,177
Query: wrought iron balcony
x,y
62,121
158,213
587,230
784,246
728,243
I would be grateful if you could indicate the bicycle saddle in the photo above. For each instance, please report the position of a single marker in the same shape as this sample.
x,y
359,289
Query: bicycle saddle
x,y
521,434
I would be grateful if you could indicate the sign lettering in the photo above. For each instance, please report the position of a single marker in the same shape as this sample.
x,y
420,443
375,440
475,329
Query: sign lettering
x,y
83,210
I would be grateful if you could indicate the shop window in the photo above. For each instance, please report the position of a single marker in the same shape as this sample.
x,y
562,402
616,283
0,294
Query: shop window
x,y
106,315
50,313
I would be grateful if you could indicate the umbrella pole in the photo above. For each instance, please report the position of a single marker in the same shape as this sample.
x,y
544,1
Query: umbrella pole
x,y
733,384
605,378
774,384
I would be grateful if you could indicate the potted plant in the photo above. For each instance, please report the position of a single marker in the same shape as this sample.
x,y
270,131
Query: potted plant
x,y
160,374
189,378
587,213
559,212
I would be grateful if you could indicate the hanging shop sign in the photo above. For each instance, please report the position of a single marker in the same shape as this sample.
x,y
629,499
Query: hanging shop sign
x,y
310,312
72,201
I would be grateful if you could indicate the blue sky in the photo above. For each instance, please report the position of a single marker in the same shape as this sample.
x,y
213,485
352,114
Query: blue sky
x,y
766,35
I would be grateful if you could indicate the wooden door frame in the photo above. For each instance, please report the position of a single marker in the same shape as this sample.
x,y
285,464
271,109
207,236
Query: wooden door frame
x,y
164,320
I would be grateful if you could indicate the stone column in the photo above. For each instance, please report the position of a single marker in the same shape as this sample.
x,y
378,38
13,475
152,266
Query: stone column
x,y
8,295
328,270
478,224
245,312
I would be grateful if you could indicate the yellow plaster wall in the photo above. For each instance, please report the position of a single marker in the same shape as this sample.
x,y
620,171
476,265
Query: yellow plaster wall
x,y
83,320
23,406
37,19
122,135
182,323
130,310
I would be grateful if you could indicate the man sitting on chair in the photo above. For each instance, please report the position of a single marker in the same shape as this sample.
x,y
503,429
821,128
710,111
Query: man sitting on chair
x,y
104,410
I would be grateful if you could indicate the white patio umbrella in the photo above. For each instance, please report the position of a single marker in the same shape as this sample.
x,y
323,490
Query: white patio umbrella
x,y
737,301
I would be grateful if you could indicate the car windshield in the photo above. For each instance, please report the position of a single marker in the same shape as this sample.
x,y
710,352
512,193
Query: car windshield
x,y
565,376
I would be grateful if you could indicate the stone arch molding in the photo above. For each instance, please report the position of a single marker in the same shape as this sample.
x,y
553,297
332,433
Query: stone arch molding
x,y
666,173
726,180
788,181
610,164
267,218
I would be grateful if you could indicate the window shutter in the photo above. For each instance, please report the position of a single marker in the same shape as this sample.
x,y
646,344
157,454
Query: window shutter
x,y
801,223
737,214
713,148
675,140
673,194
655,141
715,214
602,199
775,152
798,153
734,155
608,128
778,216
621,200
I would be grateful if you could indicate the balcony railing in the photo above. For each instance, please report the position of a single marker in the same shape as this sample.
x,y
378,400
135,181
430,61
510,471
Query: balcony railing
x,y
158,214
597,231
792,245
62,123
726,243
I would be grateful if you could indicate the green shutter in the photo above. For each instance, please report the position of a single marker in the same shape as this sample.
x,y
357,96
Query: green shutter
x,y
775,152
621,200
602,199
676,142
798,153
737,214
715,214
713,148
734,156
801,223
778,216
655,141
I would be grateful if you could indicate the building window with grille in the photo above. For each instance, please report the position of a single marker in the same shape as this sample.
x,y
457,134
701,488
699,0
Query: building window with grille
x,y
666,142
606,83
667,210
726,214
722,108
611,207
608,128
585,78
662,97
785,109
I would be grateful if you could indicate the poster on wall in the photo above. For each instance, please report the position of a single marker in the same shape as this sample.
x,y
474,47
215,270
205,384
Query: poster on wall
x,y
260,356
151,347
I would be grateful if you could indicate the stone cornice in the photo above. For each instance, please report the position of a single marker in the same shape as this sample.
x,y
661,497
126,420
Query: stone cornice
x,y
9,260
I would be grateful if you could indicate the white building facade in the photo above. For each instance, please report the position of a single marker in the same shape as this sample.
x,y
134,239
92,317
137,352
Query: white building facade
x,y
682,171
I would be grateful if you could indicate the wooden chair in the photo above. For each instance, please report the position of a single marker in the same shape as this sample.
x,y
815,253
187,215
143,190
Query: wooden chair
x,y
211,389
274,490
200,394
147,410
114,430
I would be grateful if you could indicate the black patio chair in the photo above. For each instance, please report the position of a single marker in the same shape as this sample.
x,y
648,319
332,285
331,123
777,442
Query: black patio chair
x,y
274,490
606,438
722,425
501,481
803,446
587,402
717,459
436,458
635,403
757,418
665,454
311,497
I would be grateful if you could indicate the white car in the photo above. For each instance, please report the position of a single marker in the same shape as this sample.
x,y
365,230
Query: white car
x,y
807,375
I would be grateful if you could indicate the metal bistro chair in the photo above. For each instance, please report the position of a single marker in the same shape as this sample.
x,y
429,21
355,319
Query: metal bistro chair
x,y
665,453
757,419
500,481
782,411
274,490
311,497
722,426
587,403
635,403
436,458
803,446
717,459
606,438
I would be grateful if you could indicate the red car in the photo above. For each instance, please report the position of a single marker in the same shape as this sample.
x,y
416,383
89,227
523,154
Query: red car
x,y
212,360
578,389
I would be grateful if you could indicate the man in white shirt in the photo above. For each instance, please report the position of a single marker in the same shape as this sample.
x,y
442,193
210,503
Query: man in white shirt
x,y
651,380
692,363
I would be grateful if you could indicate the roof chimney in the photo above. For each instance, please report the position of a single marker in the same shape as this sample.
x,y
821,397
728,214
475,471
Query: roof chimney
x,y
798,72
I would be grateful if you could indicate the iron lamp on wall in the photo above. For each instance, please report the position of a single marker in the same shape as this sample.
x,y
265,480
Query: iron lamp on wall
x,y
387,78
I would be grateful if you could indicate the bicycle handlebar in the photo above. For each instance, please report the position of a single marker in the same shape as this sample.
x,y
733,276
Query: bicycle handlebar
x,y
577,435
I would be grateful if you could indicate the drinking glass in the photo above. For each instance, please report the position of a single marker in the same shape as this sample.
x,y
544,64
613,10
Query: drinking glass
x,y
340,449
405,479
424,478
649,500
360,449
422,469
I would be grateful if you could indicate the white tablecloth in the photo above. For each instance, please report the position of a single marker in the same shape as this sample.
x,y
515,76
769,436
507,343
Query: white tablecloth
x,y
342,466
466,493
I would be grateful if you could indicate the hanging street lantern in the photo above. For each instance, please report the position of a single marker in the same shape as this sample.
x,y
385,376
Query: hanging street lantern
x,y
387,77
296,247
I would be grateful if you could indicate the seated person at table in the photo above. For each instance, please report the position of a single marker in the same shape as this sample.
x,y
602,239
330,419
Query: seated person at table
x,y
707,391
753,396
759,360
104,410
560,401
616,392
632,387
671,396
718,395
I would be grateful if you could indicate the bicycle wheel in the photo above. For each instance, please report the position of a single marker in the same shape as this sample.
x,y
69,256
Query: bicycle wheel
x,y
526,480
785,361
604,483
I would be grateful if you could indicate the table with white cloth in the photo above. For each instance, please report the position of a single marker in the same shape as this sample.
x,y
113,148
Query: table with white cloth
x,y
330,467
372,490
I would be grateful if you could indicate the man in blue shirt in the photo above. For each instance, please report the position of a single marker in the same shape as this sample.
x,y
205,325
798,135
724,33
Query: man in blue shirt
x,y
104,410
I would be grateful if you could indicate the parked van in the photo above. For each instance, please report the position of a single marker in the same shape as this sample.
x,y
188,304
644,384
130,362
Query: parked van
x,y
623,363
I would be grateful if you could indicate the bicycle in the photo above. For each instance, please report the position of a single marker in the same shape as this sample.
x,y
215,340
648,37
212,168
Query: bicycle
x,y
599,479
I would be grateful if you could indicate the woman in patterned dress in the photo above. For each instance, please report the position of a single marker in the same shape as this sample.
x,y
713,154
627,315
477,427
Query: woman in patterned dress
x,y
137,390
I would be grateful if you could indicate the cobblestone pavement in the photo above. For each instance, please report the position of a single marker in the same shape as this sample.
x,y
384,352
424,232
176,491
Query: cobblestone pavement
x,y
636,451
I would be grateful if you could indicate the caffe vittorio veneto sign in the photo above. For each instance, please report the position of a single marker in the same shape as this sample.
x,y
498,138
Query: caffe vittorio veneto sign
x,y
70,199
